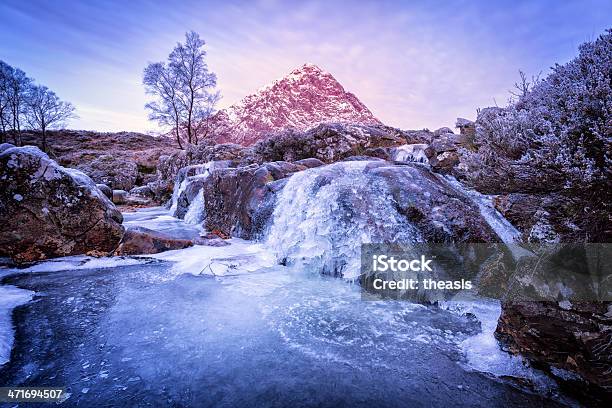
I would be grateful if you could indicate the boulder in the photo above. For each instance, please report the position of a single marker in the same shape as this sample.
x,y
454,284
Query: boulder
x,y
240,201
448,142
48,211
310,162
542,217
140,240
142,191
120,197
106,169
433,206
106,190
569,339
557,312
444,162
418,136
442,131
5,146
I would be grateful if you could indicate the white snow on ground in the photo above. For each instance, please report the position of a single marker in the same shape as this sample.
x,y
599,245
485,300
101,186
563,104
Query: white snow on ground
x,y
10,297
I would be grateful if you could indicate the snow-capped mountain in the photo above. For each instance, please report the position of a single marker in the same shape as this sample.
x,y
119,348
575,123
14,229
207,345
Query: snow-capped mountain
x,y
304,98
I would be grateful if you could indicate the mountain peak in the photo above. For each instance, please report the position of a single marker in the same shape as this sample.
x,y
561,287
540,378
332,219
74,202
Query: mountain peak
x,y
304,98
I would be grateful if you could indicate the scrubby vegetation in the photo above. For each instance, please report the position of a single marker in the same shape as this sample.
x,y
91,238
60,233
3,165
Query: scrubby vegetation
x,y
555,137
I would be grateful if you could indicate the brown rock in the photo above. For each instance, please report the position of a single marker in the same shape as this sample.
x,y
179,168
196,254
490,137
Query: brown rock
x,y
576,338
240,201
48,211
139,240
107,169
444,162
310,162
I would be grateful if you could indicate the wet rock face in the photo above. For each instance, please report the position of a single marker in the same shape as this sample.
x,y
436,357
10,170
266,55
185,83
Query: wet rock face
x,y
557,312
140,240
576,337
48,211
240,201
170,166
440,213
543,217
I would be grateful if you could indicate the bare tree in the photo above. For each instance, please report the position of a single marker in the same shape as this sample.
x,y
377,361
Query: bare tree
x,y
159,80
44,110
18,85
184,89
5,74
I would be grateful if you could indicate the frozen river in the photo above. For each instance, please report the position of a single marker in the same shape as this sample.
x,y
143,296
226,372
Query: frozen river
x,y
152,332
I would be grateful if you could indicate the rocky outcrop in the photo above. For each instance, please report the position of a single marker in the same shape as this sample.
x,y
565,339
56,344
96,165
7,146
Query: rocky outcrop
x,y
121,160
140,240
434,207
572,341
329,142
106,190
326,143
169,167
240,201
106,169
48,211
443,151
557,312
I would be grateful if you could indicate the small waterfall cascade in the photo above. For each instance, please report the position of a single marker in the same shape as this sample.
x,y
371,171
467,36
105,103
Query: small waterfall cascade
x,y
179,187
196,211
324,214
185,175
502,227
410,153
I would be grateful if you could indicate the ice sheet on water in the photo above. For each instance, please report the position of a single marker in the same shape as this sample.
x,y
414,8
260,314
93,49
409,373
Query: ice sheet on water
x,y
158,219
239,257
75,263
10,297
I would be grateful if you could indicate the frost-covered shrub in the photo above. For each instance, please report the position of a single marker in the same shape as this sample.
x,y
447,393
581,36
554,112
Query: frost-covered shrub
x,y
554,137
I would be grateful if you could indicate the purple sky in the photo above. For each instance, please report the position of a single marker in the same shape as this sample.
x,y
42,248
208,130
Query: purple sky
x,y
414,64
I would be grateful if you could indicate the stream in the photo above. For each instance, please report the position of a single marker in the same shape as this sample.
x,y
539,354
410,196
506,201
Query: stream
x,y
255,323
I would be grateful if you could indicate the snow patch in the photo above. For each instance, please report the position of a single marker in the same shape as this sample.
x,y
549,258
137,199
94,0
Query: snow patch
x,y
410,153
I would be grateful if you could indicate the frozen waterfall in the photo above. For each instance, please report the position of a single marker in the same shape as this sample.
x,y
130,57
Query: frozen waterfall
x,y
324,214
195,212
410,153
